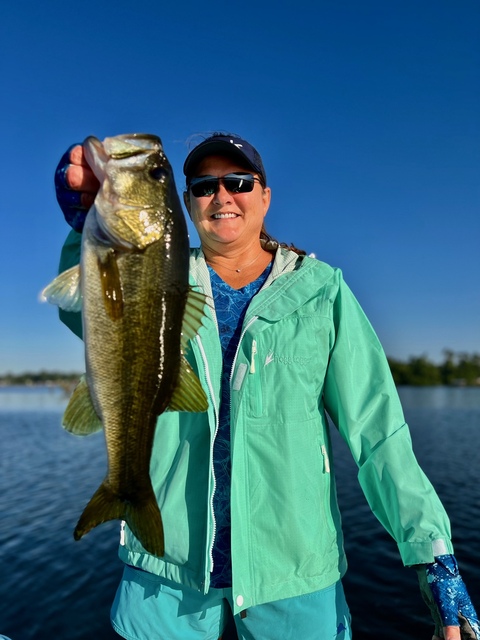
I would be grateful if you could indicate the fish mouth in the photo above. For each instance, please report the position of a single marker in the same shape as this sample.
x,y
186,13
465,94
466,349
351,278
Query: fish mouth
x,y
127,147
131,144
145,141
95,156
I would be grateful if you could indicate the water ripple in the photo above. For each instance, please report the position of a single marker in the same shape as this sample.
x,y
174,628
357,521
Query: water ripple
x,y
53,587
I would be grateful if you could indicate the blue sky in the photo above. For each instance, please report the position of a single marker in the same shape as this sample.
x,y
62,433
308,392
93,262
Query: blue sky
x,y
366,114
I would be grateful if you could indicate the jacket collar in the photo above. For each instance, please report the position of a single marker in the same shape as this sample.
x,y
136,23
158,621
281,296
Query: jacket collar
x,y
284,262
280,295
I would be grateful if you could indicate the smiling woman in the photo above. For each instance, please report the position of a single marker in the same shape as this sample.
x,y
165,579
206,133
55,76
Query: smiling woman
x,y
229,221
246,489
228,207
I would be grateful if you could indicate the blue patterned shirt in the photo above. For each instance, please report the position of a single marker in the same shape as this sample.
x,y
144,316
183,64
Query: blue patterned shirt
x,y
230,308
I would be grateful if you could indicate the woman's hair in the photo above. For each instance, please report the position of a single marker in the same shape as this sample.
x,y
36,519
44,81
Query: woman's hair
x,y
270,244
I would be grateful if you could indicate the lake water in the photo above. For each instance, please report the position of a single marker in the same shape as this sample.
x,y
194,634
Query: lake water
x,y
53,587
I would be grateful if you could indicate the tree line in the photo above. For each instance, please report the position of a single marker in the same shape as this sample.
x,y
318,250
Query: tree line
x,y
457,369
39,378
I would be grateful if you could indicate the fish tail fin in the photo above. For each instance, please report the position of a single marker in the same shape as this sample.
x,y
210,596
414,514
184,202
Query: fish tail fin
x,y
103,506
145,521
143,517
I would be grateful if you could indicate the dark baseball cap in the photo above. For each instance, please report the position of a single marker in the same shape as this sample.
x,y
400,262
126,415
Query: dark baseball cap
x,y
228,145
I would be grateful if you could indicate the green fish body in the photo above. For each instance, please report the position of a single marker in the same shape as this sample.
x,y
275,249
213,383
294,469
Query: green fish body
x,y
138,313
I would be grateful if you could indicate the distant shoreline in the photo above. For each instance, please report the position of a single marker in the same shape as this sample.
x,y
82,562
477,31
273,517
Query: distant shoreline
x,y
41,380
457,370
37,385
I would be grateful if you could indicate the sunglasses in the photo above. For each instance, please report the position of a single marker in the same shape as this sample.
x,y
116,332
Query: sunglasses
x,y
233,182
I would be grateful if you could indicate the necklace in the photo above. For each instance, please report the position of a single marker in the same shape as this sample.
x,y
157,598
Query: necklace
x,y
242,268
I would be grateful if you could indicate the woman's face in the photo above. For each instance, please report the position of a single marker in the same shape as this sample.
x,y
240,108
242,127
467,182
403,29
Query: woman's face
x,y
227,220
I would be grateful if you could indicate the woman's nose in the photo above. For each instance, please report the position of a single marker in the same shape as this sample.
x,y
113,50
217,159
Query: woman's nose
x,y
221,195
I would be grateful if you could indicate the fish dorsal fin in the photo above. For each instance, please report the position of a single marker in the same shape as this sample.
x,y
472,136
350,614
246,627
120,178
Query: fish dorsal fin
x,y
193,316
80,417
188,394
65,290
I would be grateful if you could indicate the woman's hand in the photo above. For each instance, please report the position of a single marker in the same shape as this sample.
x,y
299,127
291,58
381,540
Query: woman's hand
x,y
450,633
76,186
445,593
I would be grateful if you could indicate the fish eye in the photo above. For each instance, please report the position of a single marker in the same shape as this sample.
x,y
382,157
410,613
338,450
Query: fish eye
x,y
158,173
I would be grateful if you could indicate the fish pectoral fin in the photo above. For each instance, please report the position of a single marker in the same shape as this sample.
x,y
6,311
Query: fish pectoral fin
x,y
111,285
65,290
142,516
80,417
193,316
188,394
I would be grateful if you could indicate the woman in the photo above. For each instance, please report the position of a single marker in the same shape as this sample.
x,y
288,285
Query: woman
x,y
246,490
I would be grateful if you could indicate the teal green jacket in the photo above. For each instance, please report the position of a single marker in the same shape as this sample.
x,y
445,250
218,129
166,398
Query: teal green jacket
x,y
307,349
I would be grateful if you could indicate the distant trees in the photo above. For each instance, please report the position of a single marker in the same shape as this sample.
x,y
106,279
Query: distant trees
x,y
39,378
457,369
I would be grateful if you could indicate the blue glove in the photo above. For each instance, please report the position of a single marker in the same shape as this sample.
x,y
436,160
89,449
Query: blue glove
x,y
70,201
445,593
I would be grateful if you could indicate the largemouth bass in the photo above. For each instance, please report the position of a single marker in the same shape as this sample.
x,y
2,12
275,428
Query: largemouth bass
x,y
138,314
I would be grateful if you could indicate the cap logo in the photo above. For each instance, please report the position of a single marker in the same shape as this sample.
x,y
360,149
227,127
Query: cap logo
x,y
236,144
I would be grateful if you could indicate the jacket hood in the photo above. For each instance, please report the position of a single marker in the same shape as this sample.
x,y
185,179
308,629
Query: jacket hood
x,y
280,295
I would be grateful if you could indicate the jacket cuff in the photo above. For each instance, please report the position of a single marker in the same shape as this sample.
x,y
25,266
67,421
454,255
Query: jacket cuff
x,y
424,552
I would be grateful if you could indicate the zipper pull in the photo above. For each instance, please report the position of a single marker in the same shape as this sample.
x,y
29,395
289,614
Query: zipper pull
x,y
325,459
254,352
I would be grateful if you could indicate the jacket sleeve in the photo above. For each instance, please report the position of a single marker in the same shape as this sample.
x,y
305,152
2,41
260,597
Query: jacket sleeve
x,y
361,398
69,257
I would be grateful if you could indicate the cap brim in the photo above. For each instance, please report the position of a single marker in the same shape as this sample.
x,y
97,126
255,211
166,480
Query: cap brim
x,y
215,147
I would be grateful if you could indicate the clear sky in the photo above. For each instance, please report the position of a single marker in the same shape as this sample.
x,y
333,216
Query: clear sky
x,y
366,114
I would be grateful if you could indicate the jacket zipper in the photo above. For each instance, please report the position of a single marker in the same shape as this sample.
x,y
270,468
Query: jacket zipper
x,y
207,376
212,512
245,329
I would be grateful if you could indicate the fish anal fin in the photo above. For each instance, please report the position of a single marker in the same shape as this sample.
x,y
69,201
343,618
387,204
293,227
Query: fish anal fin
x,y
188,394
142,516
111,285
64,290
80,417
